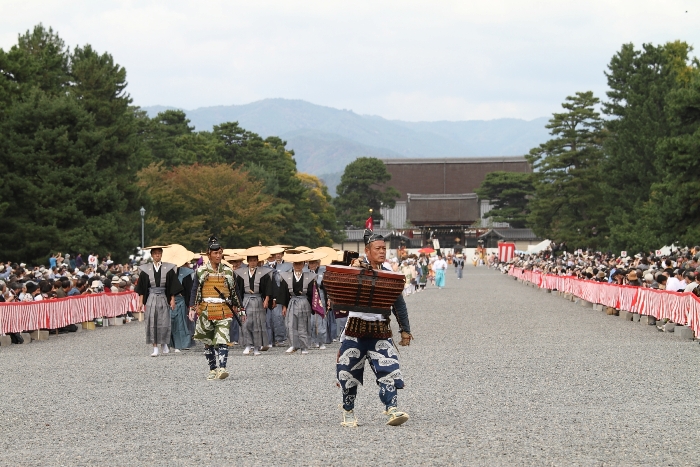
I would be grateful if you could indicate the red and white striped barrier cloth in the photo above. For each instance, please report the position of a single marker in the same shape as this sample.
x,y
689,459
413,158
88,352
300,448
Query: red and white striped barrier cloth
x,y
52,314
681,308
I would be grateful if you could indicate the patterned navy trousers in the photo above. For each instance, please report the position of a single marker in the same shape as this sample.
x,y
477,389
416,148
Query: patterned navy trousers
x,y
383,360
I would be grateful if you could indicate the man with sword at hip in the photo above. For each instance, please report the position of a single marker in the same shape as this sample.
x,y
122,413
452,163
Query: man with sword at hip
x,y
211,282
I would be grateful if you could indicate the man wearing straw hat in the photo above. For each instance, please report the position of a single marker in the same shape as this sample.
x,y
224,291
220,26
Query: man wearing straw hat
x,y
296,292
318,323
257,283
214,314
181,337
235,260
276,327
157,286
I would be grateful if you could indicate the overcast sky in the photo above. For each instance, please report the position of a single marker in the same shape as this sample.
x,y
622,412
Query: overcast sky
x,y
408,60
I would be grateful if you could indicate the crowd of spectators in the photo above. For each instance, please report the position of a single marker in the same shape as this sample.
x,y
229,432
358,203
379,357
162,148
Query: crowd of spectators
x,y
677,271
64,276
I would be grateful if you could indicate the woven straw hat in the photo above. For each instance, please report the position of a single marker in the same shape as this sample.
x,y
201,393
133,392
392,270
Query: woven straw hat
x,y
234,257
275,249
302,248
257,251
323,254
162,247
177,254
299,257
260,251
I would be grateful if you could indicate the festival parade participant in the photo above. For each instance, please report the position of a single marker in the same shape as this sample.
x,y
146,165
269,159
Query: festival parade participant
x,y
318,323
215,316
235,261
459,265
276,326
180,335
157,287
440,266
368,336
257,283
295,295
326,256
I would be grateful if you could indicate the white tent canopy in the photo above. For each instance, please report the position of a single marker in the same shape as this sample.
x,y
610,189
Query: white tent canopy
x,y
543,245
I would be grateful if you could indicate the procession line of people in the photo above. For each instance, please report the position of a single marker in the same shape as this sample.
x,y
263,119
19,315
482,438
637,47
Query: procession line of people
x,y
224,290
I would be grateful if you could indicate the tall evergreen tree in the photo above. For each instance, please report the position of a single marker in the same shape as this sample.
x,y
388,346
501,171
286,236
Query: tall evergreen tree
x,y
568,204
69,150
362,187
509,194
268,161
640,82
675,197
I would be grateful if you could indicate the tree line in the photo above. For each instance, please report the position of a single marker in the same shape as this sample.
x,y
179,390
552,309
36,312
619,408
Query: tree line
x,y
618,174
78,160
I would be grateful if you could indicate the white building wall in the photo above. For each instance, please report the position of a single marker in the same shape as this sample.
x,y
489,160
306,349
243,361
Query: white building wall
x,y
484,207
394,218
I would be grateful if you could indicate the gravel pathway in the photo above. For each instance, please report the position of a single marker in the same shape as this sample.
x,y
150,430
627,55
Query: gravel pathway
x,y
499,374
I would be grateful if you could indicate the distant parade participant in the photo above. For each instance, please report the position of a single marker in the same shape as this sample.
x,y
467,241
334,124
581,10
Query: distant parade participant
x,y
215,316
318,323
331,325
439,267
296,292
459,264
368,336
180,335
279,263
157,286
236,262
257,284
276,327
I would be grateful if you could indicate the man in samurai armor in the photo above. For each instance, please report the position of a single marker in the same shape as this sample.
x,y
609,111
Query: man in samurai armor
x,y
215,315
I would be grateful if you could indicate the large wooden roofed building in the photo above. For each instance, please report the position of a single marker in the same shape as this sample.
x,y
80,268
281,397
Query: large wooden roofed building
x,y
438,197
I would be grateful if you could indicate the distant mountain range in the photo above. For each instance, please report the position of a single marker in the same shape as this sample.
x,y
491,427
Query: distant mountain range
x,y
325,139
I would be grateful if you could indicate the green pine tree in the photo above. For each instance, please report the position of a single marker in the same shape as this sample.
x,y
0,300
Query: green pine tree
x,y
675,197
568,204
509,194
362,187
69,151
640,82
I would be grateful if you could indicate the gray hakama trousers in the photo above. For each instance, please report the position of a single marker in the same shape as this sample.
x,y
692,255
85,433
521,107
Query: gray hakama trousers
x,y
340,325
235,331
318,329
255,327
298,322
276,327
157,318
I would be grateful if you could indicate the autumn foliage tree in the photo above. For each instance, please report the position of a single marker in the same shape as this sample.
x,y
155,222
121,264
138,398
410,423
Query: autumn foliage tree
x,y
190,202
325,225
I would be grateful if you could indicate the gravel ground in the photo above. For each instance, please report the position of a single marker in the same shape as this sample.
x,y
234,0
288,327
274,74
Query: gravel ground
x,y
499,374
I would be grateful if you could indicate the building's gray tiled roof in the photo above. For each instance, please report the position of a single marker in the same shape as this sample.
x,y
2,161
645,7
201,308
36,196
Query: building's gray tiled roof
x,y
513,234
356,235
454,160
440,196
